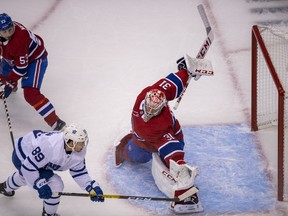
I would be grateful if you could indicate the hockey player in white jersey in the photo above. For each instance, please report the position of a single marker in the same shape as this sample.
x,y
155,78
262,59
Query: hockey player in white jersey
x,y
38,154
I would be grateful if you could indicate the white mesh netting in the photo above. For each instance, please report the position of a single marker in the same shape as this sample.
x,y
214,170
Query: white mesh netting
x,y
276,43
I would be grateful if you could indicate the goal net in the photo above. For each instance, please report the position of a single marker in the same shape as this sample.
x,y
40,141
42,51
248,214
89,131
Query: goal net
x,y
269,99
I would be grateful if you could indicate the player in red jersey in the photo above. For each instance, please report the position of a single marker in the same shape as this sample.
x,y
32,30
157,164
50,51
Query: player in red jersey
x,y
24,57
156,134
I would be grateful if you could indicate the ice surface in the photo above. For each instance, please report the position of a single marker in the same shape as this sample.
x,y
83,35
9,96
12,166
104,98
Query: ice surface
x,y
102,53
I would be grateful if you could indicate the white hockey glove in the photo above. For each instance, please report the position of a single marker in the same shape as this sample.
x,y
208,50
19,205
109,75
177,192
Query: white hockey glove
x,y
198,67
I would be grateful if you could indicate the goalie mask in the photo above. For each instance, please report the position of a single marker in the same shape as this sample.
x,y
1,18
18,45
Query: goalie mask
x,y
75,133
154,101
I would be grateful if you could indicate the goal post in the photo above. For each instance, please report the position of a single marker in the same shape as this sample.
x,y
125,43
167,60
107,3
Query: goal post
x,y
269,105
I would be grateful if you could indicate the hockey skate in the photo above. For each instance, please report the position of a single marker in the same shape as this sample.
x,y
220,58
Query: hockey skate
x,y
60,125
119,149
4,192
46,214
191,204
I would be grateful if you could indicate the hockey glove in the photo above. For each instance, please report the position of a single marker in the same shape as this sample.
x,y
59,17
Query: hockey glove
x,y
10,84
43,188
6,87
181,64
95,192
4,91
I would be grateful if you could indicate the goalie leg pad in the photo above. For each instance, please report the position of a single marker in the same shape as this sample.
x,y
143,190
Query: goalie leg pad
x,y
120,144
164,181
170,185
183,174
179,177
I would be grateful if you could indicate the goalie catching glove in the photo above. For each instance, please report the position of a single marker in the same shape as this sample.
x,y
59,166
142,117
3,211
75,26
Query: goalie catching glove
x,y
196,67
95,192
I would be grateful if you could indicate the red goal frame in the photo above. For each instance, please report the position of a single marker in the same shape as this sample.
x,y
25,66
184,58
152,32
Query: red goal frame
x,y
258,42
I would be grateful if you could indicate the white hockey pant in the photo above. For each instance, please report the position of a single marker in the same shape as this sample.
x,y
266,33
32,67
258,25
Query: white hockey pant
x,y
15,181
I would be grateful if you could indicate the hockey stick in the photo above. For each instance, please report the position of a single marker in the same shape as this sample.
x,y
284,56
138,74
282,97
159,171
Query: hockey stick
x,y
145,198
9,122
203,50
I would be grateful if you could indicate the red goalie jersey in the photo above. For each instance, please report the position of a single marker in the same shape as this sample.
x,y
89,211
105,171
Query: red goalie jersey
x,y
162,133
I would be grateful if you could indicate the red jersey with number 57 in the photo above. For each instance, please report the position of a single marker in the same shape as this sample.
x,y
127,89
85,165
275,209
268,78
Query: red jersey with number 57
x,y
162,133
23,48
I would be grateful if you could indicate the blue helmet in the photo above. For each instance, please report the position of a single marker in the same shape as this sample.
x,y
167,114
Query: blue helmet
x,y
5,21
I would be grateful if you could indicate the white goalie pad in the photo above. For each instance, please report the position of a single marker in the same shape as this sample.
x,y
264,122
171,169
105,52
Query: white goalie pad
x,y
179,177
198,67
183,174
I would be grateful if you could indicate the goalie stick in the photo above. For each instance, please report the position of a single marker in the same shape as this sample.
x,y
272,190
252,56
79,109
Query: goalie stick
x,y
145,198
203,50
190,192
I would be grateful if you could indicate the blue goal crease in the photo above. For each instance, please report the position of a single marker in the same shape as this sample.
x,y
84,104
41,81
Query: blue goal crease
x,y
232,177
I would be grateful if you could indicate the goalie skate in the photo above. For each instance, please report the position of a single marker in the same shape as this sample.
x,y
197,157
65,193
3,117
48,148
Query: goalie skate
x,y
191,204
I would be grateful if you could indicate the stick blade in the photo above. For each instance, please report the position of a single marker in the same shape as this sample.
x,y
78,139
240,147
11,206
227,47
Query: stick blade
x,y
204,17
